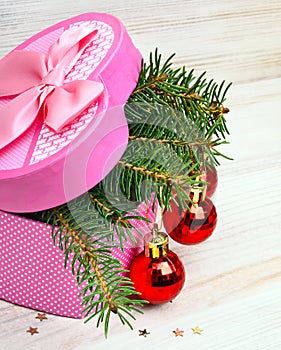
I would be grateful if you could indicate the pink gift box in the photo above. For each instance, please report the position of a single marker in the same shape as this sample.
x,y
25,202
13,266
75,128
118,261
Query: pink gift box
x,y
42,168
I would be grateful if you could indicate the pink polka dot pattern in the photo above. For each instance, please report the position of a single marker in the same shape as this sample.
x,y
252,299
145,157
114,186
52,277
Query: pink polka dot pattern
x,y
32,269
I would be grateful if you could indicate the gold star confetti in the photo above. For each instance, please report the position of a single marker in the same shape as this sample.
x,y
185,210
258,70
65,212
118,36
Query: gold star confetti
x,y
32,330
143,333
178,333
41,317
197,330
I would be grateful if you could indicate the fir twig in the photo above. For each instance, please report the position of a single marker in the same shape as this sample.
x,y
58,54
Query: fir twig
x,y
201,101
105,289
89,256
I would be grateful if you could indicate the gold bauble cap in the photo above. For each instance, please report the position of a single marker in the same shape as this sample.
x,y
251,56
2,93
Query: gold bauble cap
x,y
156,243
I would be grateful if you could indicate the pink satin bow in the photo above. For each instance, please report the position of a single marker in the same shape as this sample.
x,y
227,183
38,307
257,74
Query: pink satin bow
x,y
37,81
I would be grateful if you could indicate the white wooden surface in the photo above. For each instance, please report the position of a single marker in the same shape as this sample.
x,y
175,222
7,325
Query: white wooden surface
x,y
233,289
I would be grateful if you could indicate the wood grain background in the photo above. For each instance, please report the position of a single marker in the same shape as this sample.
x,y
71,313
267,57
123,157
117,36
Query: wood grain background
x,y
233,290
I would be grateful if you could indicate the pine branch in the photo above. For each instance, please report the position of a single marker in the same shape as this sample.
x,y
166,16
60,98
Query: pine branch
x,y
201,101
89,255
105,289
153,169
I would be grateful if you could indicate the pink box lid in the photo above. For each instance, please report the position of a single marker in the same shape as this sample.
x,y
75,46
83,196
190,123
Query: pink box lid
x,y
42,168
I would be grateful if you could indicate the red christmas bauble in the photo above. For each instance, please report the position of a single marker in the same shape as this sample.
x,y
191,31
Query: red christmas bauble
x,y
212,179
191,226
159,280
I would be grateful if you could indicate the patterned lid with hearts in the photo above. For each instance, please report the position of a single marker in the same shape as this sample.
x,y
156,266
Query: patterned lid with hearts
x,y
62,123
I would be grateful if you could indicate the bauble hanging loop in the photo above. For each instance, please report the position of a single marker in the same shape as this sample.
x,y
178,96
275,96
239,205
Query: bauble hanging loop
x,y
156,245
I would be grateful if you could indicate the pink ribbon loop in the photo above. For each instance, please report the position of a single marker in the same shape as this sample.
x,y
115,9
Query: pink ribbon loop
x,y
36,81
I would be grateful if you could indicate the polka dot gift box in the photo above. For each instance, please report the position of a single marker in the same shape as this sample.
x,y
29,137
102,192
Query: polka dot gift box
x,y
62,130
